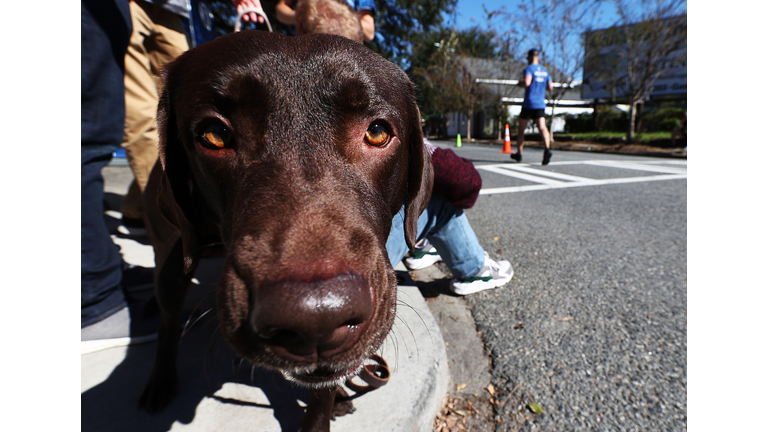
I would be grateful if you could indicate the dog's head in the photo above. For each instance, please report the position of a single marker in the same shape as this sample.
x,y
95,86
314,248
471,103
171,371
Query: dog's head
x,y
301,150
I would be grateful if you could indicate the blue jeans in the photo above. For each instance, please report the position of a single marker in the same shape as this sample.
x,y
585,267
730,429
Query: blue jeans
x,y
448,229
105,29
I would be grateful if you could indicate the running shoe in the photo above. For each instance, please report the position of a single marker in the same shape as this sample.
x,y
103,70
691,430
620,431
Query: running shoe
x,y
493,274
424,256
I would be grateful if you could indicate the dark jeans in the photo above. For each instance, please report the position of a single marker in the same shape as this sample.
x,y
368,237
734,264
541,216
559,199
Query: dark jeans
x,y
105,27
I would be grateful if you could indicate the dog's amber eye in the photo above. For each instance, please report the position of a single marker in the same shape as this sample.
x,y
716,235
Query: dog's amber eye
x,y
377,134
216,137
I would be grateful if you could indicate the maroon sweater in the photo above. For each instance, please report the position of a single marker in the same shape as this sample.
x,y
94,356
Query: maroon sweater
x,y
455,178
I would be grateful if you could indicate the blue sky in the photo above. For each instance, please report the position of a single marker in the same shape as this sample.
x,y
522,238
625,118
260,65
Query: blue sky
x,y
470,12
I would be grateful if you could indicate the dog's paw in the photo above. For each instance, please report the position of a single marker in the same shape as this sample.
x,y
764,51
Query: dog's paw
x,y
158,392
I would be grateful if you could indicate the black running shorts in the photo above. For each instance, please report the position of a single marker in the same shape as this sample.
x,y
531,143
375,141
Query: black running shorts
x,y
531,114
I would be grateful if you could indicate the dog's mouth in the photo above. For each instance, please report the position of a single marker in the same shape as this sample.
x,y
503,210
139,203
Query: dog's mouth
x,y
322,376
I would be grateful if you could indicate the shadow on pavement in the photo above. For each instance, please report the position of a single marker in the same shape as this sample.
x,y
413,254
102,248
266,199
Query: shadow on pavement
x,y
429,283
205,364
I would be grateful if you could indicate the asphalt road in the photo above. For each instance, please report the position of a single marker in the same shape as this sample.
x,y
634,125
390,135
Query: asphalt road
x,y
593,329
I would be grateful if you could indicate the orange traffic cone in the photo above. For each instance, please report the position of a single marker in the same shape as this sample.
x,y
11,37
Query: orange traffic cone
x,y
507,142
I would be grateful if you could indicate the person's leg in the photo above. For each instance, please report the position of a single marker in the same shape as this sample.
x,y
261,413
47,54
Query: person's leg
x,y
396,247
158,38
140,138
454,238
104,29
169,41
100,261
448,229
522,123
541,123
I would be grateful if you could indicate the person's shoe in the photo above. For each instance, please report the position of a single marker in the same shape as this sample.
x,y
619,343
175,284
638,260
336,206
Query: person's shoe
x,y
493,275
128,326
547,156
516,157
131,227
424,256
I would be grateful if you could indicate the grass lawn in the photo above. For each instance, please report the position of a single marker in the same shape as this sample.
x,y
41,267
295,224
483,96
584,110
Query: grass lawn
x,y
639,137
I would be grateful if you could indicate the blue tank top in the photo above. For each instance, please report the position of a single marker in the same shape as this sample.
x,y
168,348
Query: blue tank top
x,y
534,95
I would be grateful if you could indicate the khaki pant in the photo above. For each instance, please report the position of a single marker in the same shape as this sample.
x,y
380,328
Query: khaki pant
x,y
158,37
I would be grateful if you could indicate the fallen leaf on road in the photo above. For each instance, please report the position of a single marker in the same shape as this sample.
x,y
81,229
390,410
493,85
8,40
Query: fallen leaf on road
x,y
496,238
490,389
461,387
536,408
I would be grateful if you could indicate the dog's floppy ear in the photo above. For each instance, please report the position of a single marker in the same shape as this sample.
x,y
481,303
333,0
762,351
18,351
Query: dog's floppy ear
x,y
420,177
175,198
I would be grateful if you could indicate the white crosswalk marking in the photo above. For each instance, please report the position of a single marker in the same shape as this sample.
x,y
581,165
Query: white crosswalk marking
x,y
544,179
500,169
637,167
549,174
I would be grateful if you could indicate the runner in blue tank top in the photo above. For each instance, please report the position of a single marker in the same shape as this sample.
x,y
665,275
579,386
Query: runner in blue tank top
x,y
536,82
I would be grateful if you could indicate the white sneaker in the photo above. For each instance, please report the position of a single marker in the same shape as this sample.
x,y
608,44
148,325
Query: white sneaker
x,y
424,256
493,274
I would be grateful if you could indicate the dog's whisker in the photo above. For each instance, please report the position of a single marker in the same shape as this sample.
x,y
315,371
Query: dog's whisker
x,y
405,323
424,323
382,350
201,247
395,348
188,326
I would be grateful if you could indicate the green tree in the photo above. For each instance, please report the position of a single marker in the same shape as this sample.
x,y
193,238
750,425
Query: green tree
x,y
401,24
631,56
434,49
442,69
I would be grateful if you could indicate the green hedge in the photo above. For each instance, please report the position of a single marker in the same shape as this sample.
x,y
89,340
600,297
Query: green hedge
x,y
609,119
663,119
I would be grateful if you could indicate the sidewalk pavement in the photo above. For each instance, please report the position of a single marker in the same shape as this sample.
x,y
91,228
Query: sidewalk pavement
x,y
220,391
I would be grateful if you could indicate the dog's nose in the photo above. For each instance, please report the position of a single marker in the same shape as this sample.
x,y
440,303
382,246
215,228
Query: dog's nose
x,y
304,320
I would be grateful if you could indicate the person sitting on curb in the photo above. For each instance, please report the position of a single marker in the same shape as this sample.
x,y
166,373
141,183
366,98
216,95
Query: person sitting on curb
x,y
444,231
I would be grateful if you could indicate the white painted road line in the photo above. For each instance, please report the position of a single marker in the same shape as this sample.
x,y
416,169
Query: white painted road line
x,y
526,168
509,173
563,185
551,180
637,167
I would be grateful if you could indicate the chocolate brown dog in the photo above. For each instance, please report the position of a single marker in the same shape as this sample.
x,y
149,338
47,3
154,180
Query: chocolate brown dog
x,y
296,153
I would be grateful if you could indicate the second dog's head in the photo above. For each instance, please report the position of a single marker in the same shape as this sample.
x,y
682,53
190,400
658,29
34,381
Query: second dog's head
x,y
301,150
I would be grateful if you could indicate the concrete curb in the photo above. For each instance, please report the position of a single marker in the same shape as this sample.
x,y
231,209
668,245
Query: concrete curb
x,y
218,390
